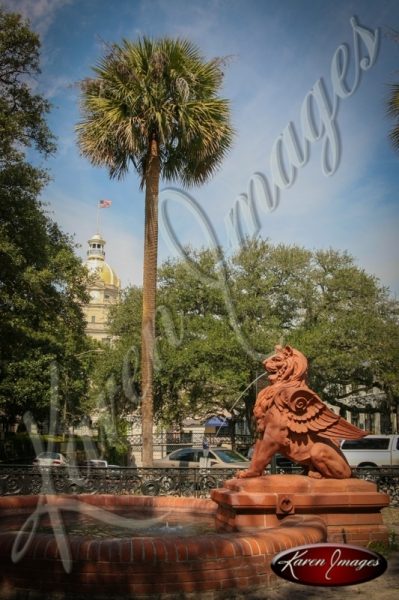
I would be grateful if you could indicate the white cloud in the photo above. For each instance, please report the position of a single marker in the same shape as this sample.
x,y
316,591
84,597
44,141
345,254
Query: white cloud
x,y
41,13
58,86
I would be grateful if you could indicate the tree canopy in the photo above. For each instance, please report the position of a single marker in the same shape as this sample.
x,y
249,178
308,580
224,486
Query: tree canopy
x,y
343,320
42,282
22,113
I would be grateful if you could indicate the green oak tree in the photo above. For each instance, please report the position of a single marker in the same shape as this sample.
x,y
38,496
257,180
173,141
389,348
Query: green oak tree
x,y
337,314
42,282
22,113
318,301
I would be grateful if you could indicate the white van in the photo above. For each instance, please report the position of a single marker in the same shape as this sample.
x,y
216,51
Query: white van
x,y
372,451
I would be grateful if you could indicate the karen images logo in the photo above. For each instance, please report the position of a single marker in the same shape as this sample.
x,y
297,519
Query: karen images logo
x,y
328,564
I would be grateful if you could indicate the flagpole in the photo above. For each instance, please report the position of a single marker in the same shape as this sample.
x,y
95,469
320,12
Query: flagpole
x,y
101,204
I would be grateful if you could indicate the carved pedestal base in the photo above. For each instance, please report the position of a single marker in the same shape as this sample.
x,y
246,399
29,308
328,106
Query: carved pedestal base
x,y
350,508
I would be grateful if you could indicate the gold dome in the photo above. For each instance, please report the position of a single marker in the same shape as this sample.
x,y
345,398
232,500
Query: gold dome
x,y
108,276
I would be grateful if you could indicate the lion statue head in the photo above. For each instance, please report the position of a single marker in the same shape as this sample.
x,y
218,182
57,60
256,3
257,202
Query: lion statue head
x,y
286,365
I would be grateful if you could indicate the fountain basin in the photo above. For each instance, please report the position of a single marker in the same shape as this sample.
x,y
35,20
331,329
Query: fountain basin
x,y
162,566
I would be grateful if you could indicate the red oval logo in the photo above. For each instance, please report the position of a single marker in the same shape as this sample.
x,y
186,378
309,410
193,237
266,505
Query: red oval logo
x,y
328,564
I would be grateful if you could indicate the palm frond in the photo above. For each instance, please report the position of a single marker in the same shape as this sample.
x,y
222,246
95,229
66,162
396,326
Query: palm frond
x,y
161,88
393,111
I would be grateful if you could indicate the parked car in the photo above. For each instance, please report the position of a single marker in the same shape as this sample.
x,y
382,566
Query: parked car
x,y
95,463
50,459
99,468
372,451
219,458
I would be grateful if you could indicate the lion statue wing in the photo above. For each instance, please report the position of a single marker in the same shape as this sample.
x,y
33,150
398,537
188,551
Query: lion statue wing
x,y
306,413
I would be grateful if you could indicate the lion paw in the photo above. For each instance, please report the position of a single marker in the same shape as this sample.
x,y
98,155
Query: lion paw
x,y
315,475
247,474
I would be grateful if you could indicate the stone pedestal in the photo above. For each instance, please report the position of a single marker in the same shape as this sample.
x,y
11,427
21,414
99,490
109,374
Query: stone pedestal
x,y
350,508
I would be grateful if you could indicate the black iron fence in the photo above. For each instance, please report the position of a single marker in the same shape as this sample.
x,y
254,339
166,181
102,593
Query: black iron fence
x,y
197,482
26,480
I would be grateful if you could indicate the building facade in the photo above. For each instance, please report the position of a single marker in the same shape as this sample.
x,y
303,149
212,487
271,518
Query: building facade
x,y
104,290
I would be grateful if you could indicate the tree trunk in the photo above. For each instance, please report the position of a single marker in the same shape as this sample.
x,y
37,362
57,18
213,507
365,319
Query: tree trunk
x,y
149,301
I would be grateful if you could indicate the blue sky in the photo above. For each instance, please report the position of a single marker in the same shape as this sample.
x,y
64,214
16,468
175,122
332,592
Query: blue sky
x,y
278,52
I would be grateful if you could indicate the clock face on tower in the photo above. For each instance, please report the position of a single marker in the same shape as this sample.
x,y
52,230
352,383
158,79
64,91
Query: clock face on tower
x,y
95,295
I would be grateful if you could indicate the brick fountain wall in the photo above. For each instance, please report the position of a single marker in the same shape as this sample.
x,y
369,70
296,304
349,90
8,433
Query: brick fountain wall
x,y
202,566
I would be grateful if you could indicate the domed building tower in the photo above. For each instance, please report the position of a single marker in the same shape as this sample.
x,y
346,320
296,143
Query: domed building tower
x,y
104,290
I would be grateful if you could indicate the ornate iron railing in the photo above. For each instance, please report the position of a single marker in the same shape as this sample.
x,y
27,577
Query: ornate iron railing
x,y
26,480
23,480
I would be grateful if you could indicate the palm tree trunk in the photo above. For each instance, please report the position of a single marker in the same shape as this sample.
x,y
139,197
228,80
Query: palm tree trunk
x,y
149,301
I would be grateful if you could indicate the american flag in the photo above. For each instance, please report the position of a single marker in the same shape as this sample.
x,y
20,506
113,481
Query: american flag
x,y
105,203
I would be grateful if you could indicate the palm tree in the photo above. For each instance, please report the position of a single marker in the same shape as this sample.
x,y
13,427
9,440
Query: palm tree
x,y
154,104
393,111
